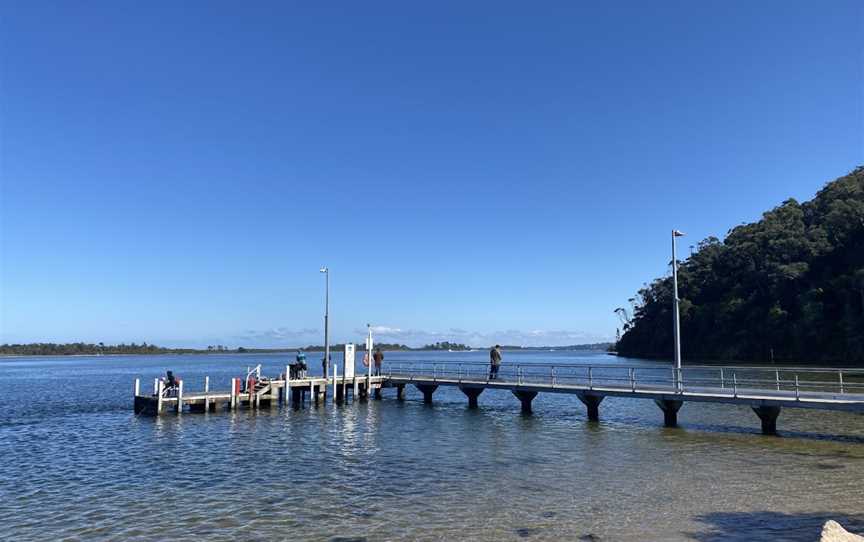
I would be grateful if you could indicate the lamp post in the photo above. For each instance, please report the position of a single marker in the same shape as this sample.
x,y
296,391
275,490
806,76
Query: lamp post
x,y
326,364
676,319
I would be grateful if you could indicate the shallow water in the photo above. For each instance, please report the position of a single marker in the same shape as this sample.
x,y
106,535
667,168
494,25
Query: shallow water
x,y
77,464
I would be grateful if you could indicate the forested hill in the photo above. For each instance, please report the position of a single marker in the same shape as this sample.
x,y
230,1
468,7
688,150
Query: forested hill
x,y
791,283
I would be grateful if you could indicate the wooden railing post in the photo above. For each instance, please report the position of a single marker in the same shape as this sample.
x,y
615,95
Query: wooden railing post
x,y
159,388
335,378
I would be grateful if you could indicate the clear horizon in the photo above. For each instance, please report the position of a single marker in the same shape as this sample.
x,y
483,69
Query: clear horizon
x,y
480,174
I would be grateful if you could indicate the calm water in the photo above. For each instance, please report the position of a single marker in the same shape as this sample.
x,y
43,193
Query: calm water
x,y
77,464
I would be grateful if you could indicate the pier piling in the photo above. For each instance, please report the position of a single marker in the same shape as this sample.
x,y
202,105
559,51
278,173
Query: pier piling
x,y
427,390
472,393
592,403
768,416
670,411
525,397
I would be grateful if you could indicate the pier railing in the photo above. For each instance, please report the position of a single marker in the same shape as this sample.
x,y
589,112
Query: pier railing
x,y
721,380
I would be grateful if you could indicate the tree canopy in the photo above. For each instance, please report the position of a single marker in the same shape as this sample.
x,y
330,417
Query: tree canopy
x,y
789,287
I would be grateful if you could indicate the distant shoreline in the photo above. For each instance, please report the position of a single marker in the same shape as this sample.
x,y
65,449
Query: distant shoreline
x,y
85,349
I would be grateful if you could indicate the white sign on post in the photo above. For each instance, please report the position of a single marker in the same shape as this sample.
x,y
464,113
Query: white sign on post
x,y
349,361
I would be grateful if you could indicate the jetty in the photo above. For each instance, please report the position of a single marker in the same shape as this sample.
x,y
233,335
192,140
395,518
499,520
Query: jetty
x,y
766,390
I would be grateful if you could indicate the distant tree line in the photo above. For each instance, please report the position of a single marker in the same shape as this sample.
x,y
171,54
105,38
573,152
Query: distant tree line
x,y
445,345
80,348
788,288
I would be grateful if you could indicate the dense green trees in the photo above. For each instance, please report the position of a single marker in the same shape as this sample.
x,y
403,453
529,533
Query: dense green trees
x,y
788,287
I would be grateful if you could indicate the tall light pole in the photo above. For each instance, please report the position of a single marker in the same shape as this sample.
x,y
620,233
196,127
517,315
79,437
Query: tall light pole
x,y
326,364
676,318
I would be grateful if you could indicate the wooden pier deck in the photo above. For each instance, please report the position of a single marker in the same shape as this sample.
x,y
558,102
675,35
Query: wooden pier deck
x,y
253,391
765,390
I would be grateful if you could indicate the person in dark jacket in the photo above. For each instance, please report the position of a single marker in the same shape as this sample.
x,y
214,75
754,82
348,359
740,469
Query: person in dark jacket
x,y
378,358
494,362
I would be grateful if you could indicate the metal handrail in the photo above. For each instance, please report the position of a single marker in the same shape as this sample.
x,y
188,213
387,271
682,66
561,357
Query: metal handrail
x,y
636,378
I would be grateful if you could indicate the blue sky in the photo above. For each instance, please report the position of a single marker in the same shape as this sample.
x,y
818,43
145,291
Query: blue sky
x,y
476,171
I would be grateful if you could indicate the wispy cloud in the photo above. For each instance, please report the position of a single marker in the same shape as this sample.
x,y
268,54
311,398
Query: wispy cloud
x,y
280,336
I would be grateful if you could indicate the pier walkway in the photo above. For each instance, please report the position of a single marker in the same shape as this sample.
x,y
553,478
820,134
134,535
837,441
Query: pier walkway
x,y
765,390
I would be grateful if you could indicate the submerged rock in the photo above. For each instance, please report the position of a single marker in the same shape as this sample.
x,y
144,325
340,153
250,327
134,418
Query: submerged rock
x,y
833,532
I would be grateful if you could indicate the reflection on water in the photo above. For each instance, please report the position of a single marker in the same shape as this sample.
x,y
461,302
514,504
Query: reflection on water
x,y
79,464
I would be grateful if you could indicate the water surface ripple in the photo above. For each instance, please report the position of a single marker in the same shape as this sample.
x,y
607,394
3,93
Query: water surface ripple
x,y
77,464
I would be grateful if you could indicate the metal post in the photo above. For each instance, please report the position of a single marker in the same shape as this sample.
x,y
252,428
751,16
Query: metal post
x,y
206,393
326,364
632,379
734,384
722,380
841,382
797,392
179,396
155,386
590,379
777,378
233,394
553,376
137,387
676,317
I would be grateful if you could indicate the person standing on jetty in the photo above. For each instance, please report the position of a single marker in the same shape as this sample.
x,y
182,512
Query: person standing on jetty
x,y
494,362
378,358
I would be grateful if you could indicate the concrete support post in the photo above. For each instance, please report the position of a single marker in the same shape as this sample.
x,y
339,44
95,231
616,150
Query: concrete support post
x,y
592,403
670,411
472,393
400,392
427,390
525,397
768,416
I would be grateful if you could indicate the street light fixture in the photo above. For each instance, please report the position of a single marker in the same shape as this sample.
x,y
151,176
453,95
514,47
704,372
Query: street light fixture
x,y
326,363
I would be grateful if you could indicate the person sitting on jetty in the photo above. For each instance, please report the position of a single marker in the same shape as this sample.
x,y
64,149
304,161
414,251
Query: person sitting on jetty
x,y
378,358
494,362
171,383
